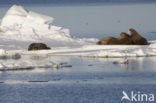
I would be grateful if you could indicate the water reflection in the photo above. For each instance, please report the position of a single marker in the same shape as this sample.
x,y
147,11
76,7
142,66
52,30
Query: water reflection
x,y
84,64
134,63
38,57
83,70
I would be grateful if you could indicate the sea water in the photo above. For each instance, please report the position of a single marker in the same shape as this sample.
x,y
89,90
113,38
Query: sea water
x,y
89,80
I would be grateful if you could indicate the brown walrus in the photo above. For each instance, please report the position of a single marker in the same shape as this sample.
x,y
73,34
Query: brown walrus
x,y
106,41
123,40
38,46
136,38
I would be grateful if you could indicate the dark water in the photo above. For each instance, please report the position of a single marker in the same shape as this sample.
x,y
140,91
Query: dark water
x,y
73,93
89,80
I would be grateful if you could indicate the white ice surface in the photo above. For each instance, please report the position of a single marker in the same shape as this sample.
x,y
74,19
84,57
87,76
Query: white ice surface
x,y
101,50
33,61
22,24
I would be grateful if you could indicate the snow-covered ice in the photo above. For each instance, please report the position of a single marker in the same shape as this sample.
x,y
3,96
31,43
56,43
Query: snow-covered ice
x,y
20,27
28,25
23,25
101,51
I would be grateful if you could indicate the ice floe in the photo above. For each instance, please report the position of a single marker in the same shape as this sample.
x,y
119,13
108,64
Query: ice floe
x,y
31,62
20,27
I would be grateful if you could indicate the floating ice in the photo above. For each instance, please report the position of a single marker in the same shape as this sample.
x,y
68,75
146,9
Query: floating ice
x,y
2,52
104,51
28,25
21,27
27,63
124,61
2,66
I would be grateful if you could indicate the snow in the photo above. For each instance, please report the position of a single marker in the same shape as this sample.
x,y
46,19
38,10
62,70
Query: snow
x,y
21,25
101,51
28,25
14,17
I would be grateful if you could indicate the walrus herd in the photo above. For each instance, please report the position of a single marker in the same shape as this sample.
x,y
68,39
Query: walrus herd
x,y
133,39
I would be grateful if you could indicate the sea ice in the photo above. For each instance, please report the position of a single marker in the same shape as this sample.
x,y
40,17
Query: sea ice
x,y
20,27
29,62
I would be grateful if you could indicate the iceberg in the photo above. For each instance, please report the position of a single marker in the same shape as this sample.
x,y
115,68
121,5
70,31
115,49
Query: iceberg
x,y
20,27
28,25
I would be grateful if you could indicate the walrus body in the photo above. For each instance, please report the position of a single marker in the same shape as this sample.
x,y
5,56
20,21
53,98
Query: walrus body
x,y
38,46
106,41
136,38
123,40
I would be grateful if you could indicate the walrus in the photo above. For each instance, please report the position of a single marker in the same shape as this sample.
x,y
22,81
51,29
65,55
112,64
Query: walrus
x,y
123,40
136,38
38,46
106,41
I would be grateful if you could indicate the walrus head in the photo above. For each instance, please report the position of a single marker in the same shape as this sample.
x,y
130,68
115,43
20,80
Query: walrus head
x,y
124,35
137,38
133,32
